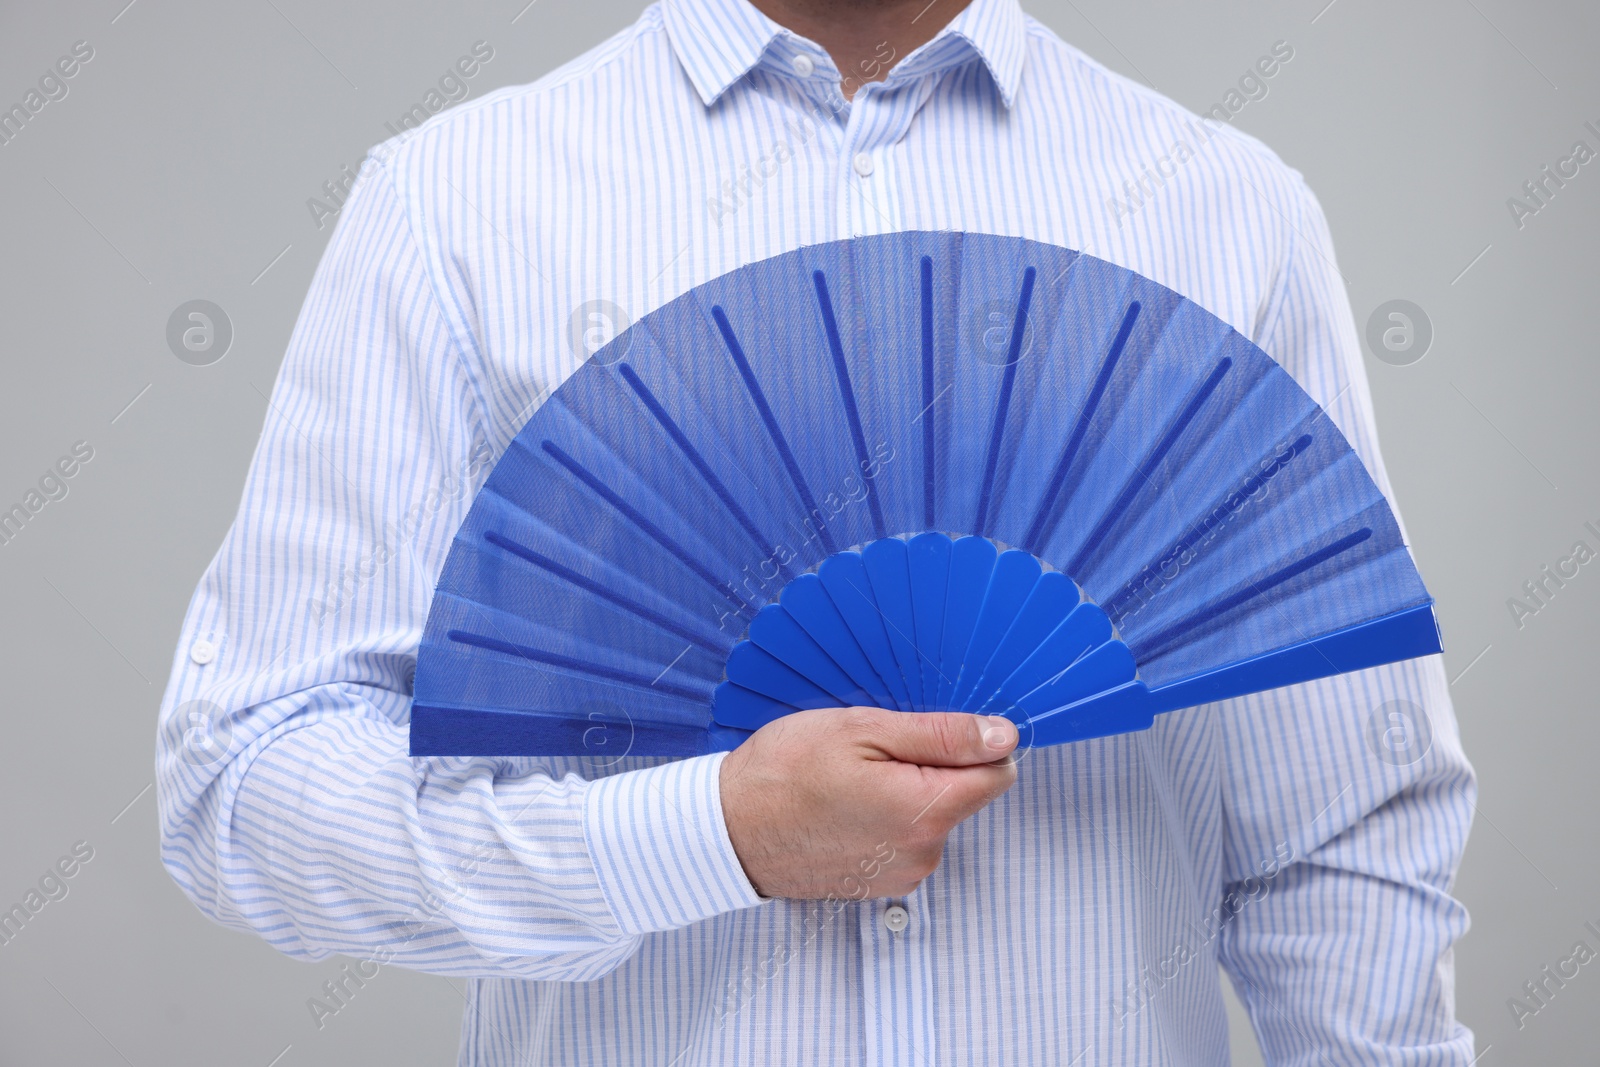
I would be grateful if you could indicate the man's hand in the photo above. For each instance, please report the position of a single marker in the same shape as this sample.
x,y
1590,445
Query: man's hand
x,y
857,802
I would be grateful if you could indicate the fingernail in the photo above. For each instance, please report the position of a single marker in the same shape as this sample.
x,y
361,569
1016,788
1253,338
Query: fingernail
x,y
1001,734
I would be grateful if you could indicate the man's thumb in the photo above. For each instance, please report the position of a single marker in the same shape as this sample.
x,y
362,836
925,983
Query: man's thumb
x,y
946,738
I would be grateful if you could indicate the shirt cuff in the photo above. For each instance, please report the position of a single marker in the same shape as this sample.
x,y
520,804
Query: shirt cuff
x,y
660,846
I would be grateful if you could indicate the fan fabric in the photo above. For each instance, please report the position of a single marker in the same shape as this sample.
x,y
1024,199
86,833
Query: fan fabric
x,y
922,471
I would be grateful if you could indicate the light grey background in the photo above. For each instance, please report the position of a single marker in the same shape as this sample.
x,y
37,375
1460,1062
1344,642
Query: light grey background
x,y
179,166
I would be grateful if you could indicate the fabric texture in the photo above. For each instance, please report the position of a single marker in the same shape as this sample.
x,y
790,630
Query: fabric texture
x,y
1305,839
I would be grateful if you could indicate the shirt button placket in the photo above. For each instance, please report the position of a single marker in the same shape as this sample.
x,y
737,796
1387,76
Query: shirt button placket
x,y
868,205
897,982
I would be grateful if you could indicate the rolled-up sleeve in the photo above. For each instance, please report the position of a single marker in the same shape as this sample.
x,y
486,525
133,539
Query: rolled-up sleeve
x,y
289,804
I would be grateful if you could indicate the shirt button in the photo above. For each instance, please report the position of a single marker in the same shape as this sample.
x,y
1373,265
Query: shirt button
x,y
803,65
202,652
896,919
863,164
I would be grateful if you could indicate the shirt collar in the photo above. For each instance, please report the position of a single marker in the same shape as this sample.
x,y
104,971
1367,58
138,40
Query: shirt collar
x,y
720,41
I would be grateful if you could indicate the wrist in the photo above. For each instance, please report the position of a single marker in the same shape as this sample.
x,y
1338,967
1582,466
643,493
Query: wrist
x,y
741,823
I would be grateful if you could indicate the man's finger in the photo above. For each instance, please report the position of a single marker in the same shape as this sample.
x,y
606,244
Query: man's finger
x,y
954,794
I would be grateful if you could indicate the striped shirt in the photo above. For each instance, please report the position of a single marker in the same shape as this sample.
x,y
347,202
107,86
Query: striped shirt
x,y
1304,839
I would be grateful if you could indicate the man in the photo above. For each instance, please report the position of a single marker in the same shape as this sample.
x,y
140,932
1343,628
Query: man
x,y
848,886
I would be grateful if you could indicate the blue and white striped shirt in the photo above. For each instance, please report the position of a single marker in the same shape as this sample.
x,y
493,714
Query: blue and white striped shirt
x,y
1305,839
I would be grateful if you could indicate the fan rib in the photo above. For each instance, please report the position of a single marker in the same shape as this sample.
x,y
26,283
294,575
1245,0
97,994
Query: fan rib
x,y
927,395
888,572
778,633
1141,477
972,563
809,603
1003,404
651,529
554,659
841,371
770,421
1085,628
1047,605
928,561
1012,579
864,619
1101,382
1228,603
1118,606
754,668
545,562
679,438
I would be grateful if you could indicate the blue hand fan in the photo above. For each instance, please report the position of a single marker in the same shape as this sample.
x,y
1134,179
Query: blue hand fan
x,y
922,471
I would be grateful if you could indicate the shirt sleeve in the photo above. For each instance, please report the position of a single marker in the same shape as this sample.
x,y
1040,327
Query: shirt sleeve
x,y
1347,800
289,804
